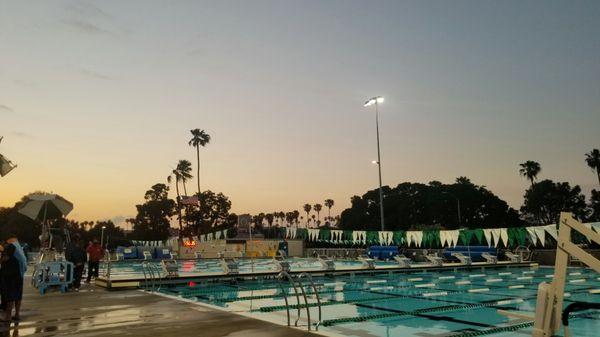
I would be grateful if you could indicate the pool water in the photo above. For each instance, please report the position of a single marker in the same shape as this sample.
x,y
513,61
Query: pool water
x,y
385,303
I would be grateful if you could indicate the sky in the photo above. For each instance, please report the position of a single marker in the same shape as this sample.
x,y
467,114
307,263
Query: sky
x,y
97,97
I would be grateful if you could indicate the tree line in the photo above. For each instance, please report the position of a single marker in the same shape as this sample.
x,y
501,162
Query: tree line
x,y
462,204
465,204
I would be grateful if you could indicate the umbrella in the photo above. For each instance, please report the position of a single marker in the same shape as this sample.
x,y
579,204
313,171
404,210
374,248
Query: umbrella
x,y
45,206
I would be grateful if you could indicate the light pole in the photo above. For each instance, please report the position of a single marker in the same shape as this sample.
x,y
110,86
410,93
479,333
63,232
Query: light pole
x,y
457,207
375,101
102,237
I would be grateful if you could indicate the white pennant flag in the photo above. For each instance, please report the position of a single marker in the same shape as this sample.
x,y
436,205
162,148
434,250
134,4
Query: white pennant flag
x,y
362,236
454,237
415,237
541,234
551,229
336,235
444,238
532,235
504,236
487,232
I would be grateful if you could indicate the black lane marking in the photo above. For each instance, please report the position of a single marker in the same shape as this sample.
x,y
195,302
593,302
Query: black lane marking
x,y
431,317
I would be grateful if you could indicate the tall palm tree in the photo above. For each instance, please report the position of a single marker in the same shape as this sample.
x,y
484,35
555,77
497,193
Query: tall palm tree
x,y
530,169
307,208
593,161
184,167
199,138
329,203
318,208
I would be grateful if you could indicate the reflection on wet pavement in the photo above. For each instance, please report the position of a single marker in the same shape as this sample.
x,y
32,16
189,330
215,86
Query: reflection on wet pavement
x,y
95,312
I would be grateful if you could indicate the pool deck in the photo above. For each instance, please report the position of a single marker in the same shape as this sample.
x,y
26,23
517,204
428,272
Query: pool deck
x,y
97,312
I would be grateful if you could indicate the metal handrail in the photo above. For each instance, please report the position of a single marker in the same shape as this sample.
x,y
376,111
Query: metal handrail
x,y
293,284
284,293
144,266
151,273
316,292
307,307
158,273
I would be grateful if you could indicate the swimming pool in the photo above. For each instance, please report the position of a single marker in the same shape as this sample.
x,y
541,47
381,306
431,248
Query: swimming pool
x,y
387,303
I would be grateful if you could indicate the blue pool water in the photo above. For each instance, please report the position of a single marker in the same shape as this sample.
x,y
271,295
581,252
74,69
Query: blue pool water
x,y
384,303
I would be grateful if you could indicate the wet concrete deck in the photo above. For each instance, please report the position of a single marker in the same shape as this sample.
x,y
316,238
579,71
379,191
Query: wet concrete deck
x,y
97,312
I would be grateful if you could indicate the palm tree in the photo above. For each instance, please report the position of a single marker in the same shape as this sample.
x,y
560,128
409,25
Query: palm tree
x,y
329,203
593,161
307,208
176,174
199,138
184,167
318,208
530,169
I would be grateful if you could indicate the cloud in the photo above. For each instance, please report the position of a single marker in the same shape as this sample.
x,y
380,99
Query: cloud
x,y
21,134
87,10
120,220
6,108
86,27
94,74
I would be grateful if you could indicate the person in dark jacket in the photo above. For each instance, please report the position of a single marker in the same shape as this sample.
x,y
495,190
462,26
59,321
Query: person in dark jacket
x,y
76,254
11,283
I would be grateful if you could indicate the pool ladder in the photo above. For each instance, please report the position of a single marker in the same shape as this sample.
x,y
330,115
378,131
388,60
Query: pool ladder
x,y
295,284
151,273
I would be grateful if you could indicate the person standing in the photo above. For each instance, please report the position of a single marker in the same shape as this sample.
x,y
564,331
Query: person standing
x,y
11,283
95,254
76,254
22,259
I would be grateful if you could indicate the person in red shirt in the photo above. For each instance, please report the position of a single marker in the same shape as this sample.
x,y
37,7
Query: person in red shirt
x,y
96,254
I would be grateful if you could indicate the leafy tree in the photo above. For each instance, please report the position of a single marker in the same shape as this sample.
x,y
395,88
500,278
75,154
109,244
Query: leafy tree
x,y
546,199
307,209
199,138
329,203
530,169
269,217
595,206
420,206
318,208
113,235
593,161
153,218
212,214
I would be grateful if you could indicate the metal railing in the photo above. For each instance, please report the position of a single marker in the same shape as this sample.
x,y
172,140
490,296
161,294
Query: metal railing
x,y
295,284
316,292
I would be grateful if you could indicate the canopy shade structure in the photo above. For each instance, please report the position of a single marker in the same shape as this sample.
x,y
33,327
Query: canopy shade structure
x,y
5,166
45,206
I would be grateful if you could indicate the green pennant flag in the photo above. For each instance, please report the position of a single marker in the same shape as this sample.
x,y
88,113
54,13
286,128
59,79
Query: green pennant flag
x,y
325,234
302,233
465,236
372,238
431,238
478,235
347,236
398,238
516,236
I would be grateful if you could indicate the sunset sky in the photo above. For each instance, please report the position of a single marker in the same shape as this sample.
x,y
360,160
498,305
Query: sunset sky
x,y
97,98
